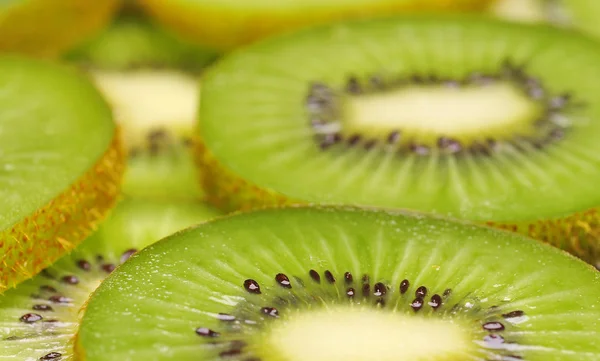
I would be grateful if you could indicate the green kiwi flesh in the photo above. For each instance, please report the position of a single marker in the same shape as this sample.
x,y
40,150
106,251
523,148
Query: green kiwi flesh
x,y
580,14
390,114
55,130
150,79
39,317
331,283
132,41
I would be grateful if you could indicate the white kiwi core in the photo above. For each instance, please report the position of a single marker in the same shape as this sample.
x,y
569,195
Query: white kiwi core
x,y
149,99
357,334
427,112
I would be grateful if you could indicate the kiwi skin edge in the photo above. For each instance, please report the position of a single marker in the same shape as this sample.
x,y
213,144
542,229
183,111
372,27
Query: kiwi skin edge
x,y
64,221
58,25
578,233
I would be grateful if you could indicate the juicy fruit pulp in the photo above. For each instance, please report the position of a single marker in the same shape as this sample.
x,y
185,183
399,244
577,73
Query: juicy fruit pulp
x,y
40,316
580,14
228,24
48,28
300,129
258,286
45,113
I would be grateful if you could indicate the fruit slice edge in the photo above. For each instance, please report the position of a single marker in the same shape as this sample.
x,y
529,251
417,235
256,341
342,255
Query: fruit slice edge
x,y
196,274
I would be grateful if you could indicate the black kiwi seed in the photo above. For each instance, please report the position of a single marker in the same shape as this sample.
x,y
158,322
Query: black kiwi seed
x,y
393,137
365,278
70,279
493,339
353,139
30,318
493,326
353,86
51,356
270,311
42,308
283,280
225,317
84,265
366,290
59,299
379,289
513,314
46,288
350,292
380,302
417,303
447,292
252,286
404,286
329,277
109,267
421,291
315,275
205,332
125,256
348,278
435,302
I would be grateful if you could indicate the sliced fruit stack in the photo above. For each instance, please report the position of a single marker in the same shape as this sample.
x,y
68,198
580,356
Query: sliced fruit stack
x,y
360,180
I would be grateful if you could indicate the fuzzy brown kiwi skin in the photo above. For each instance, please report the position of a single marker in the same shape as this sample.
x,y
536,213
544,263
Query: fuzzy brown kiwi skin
x,y
578,233
64,222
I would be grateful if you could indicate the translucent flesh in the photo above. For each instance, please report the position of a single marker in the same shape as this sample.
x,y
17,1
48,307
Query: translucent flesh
x,y
48,28
580,14
62,163
262,134
426,113
229,24
151,306
133,224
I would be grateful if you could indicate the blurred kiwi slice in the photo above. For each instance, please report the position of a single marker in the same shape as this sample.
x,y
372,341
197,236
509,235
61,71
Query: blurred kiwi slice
x,y
61,163
49,28
39,317
579,14
150,79
332,284
464,116
228,24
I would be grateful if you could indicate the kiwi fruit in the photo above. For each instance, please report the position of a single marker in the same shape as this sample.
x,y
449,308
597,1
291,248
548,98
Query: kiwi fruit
x,y
150,79
48,28
61,163
338,283
460,115
39,317
579,14
227,24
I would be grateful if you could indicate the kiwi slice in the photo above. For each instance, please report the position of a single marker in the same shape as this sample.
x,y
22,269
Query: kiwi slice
x,y
61,163
48,28
150,79
39,317
580,14
327,284
227,24
464,116
132,41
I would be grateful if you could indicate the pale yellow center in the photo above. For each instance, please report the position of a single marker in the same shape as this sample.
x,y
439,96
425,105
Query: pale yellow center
x,y
521,10
148,99
431,111
364,335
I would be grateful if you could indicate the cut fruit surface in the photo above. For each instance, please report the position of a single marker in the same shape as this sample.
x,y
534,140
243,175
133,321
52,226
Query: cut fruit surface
x,y
580,14
39,317
469,117
48,28
338,284
132,41
150,80
61,164
228,24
